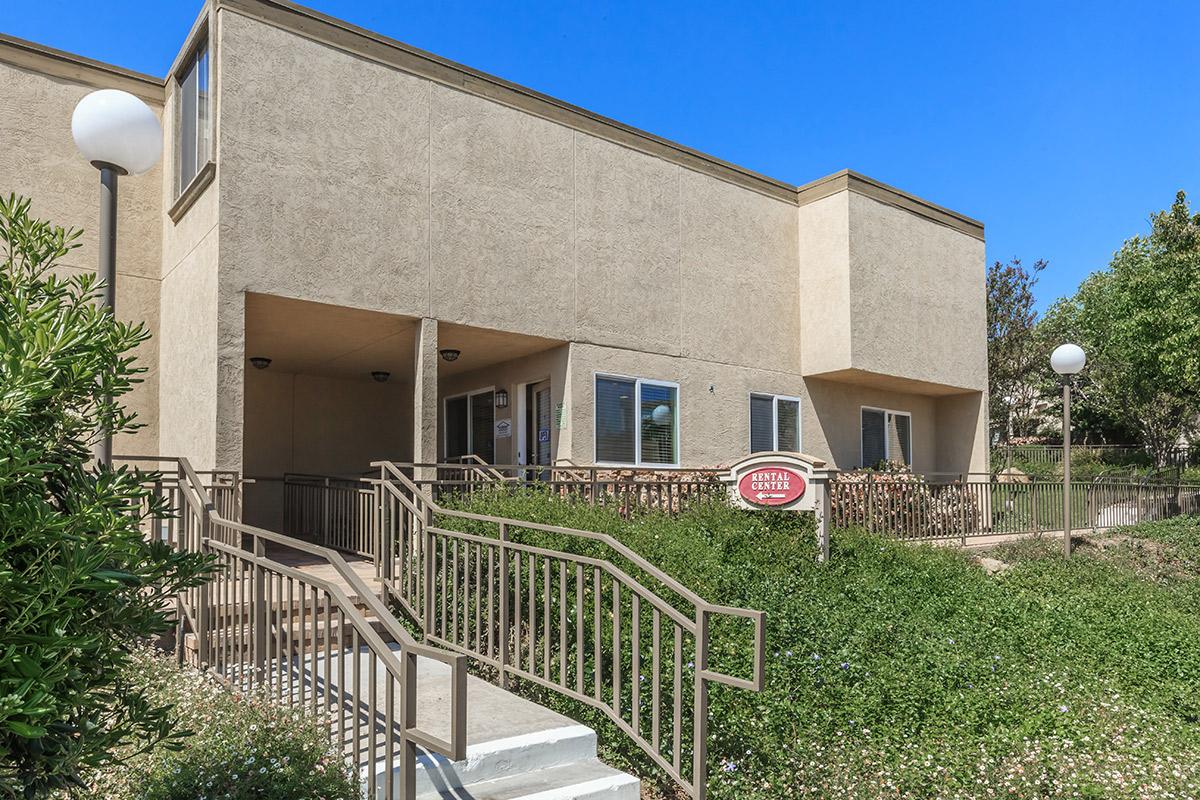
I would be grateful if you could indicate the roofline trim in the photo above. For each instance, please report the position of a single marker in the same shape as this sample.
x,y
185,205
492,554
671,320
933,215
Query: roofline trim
x,y
849,180
79,69
392,53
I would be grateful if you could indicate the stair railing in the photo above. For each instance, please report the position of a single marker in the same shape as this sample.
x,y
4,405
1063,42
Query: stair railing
x,y
263,626
572,623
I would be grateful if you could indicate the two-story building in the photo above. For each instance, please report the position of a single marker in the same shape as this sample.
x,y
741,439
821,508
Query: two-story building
x,y
355,250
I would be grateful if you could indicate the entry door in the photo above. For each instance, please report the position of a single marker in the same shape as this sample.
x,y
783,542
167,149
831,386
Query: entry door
x,y
537,423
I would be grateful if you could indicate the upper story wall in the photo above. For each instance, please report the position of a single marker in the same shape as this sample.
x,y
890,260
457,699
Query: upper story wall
x,y
346,180
39,88
894,289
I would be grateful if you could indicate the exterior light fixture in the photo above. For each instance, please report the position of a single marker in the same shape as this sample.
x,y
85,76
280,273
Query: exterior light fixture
x,y
450,354
117,134
258,362
381,376
1067,360
501,398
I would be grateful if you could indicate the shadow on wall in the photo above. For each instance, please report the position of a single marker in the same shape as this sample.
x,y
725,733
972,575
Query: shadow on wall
x,y
945,430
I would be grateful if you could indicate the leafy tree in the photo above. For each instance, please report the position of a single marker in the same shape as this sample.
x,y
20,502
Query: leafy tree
x,y
1014,352
1139,322
79,583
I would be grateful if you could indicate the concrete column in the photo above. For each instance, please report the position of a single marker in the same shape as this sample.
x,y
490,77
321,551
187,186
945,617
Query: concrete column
x,y
425,397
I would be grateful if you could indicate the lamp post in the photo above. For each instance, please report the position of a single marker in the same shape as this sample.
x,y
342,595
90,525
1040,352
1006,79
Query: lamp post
x,y
1067,360
119,135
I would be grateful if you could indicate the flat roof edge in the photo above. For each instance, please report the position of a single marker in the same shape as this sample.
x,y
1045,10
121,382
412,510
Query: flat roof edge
x,y
79,69
391,52
849,180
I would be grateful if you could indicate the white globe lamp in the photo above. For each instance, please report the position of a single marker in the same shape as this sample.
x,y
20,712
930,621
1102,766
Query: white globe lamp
x,y
117,134
1068,359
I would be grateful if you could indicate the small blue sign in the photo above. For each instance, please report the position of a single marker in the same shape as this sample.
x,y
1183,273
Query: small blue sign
x,y
544,435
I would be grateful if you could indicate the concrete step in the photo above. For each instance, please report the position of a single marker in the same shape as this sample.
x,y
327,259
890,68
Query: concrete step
x,y
582,780
515,748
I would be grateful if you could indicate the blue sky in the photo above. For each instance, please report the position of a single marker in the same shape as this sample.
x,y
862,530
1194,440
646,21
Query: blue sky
x,y
1061,125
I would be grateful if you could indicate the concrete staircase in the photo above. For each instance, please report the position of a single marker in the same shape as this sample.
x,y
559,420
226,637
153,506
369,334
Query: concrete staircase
x,y
515,749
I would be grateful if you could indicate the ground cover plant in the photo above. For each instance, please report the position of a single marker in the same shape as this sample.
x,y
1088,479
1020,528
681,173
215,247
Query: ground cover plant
x,y
238,748
903,671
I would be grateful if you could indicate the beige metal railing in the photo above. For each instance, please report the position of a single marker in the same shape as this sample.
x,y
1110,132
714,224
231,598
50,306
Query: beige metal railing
x,y
960,507
626,489
337,510
635,648
264,626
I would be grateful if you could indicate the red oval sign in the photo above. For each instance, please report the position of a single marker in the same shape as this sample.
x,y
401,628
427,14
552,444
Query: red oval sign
x,y
772,486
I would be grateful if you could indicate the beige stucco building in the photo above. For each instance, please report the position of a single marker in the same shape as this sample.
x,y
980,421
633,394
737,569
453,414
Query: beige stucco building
x,y
342,204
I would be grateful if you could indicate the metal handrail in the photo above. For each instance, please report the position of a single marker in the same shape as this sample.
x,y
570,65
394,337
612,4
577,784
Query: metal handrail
x,y
217,613
411,565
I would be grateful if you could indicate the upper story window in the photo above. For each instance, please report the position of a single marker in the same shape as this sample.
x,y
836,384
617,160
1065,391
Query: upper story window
x,y
886,436
774,423
637,421
192,118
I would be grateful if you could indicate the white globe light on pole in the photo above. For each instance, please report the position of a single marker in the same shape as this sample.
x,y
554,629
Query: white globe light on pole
x,y
1067,360
117,134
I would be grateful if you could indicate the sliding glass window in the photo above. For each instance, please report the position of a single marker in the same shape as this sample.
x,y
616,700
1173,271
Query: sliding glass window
x,y
637,421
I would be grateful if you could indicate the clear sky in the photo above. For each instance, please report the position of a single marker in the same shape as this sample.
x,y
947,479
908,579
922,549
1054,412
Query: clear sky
x,y
1060,125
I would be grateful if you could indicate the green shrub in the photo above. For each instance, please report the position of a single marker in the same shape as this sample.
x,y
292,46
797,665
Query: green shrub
x,y
78,582
239,748
900,671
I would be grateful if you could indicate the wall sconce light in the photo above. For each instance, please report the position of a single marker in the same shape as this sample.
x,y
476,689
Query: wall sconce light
x,y
258,362
381,376
501,398
450,354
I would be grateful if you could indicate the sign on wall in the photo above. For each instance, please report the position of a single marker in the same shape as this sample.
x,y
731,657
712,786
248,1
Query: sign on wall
x,y
503,429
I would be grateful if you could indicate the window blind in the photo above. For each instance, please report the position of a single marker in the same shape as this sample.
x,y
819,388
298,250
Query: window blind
x,y
874,441
615,420
658,410
762,423
901,438
788,425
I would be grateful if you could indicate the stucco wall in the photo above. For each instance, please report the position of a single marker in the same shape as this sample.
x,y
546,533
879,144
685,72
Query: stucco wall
x,y
188,349
918,301
38,160
392,193
317,425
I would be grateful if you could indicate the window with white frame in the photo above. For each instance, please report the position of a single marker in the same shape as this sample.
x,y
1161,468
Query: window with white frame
x,y
886,436
637,421
774,423
192,118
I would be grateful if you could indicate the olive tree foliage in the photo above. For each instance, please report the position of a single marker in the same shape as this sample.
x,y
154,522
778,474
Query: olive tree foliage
x,y
79,582
1139,322
1015,353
